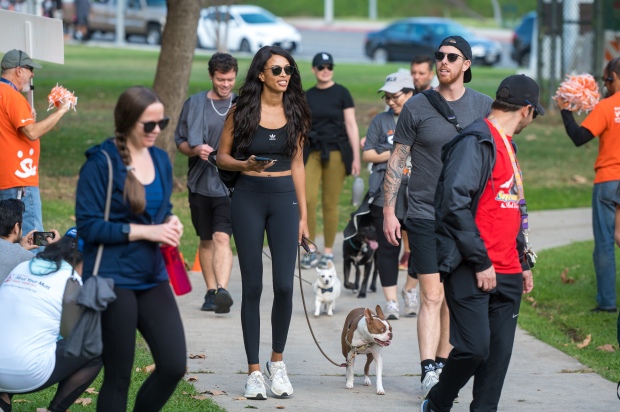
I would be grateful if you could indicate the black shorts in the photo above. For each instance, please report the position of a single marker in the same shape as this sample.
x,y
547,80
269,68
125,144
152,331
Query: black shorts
x,y
210,215
422,243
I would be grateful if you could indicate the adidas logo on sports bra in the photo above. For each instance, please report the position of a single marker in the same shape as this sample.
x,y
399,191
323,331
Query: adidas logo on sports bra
x,y
272,137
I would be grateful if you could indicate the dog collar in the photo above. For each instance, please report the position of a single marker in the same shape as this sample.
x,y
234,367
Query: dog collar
x,y
363,247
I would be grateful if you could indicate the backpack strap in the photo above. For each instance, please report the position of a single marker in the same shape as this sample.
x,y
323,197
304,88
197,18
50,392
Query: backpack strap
x,y
441,105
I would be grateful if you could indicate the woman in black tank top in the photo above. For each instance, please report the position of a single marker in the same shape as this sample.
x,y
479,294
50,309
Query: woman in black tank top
x,y
269,198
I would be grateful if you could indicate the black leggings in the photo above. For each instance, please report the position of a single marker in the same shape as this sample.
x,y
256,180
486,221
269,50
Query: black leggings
x,y
387,253
73,376
262,204
155,314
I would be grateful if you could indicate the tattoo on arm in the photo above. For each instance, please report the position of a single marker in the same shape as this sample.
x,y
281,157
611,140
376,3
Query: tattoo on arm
x,y
393,175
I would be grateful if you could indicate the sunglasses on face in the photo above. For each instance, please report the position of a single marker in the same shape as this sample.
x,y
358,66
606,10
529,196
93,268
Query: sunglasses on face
x,y
534,108
150,126
607,79
276,70
329,67
451,56
393,97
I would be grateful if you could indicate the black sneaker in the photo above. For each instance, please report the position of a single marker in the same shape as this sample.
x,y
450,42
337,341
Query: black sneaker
x,y
223,301
608,310
209,305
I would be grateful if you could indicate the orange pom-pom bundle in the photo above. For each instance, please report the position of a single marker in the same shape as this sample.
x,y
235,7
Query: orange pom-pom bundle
x,y
578,93
59,96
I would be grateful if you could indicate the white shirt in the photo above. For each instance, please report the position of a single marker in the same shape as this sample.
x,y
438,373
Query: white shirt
x,y
30,307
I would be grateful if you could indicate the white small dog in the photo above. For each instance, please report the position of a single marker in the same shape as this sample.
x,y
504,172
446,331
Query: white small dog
x,y
326,289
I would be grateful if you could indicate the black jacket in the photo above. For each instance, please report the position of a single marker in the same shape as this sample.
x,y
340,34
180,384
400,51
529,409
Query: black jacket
x,y
468,161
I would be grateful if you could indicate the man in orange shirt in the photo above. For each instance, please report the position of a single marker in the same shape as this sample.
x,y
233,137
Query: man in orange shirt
x,y
19,137
603,121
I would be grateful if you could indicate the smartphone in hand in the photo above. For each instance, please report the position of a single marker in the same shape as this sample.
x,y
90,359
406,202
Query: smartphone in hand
x,y
40,238
263,159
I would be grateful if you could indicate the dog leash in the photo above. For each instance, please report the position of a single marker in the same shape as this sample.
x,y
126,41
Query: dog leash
x,y
304,244
298,276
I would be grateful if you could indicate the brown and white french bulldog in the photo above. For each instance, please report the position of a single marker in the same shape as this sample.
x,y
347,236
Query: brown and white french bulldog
x,y
365,333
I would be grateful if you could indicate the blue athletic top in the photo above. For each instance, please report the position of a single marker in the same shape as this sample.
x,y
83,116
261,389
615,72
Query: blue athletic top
x,y
269,143
154,192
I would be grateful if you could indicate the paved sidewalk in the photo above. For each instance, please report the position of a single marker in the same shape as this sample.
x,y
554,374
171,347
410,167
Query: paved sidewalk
x,y
537,378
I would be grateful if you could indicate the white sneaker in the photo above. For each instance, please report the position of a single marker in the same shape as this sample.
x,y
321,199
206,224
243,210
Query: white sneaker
x,y
412,303
280,385
429,381
255,386
392,312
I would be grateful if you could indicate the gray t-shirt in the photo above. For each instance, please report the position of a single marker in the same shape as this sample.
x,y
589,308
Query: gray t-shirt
x,y
425,130
199,123
380,137
11,255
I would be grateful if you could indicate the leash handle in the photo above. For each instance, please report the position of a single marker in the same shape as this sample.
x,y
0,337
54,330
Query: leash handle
x,y
303,298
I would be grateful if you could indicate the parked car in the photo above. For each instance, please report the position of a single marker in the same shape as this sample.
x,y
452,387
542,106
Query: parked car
x,y
406,38
245,28
142,17
522,39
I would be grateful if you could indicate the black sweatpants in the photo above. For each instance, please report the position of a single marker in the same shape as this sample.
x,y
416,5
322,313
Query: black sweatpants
x,y
482,330
155,314
387,253
259,205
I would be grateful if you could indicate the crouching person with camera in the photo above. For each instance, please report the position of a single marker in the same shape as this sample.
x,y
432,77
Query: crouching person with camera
x,y
15,247
32,356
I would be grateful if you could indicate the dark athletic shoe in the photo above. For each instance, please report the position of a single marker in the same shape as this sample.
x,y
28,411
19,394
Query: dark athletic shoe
x,y
599,309
223,301
209,305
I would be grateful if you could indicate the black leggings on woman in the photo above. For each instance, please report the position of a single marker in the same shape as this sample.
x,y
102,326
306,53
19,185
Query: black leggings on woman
x,y
73,374
387,253
155,314
259,205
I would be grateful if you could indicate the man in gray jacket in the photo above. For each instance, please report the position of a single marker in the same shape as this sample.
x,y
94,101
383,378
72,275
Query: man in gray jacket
x,y
197,135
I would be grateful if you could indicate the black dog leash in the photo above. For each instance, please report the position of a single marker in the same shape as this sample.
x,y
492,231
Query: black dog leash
x,y
304,244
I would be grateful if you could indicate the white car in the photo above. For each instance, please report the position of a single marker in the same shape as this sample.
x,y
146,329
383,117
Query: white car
x,y
245,28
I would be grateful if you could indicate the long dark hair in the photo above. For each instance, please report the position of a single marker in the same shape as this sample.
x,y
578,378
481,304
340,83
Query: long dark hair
x,y
129,107
246,116
65,249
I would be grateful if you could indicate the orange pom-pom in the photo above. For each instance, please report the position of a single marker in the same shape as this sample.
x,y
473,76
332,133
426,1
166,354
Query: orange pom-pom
x,y
59,96
578,93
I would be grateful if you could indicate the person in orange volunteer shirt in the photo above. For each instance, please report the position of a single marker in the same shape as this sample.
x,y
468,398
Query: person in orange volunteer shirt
x,y
19,137
603,121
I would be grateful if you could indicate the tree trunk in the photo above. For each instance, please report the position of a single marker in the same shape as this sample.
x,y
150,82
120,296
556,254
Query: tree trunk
x,y
174,67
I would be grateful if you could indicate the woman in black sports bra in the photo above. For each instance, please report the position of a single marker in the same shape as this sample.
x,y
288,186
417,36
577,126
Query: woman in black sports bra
x,y
270,123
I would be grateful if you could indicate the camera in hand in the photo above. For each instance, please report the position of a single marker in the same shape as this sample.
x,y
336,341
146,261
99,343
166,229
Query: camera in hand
x,y
40,238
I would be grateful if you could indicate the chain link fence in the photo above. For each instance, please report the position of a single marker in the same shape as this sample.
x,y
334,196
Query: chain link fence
x,y
574,37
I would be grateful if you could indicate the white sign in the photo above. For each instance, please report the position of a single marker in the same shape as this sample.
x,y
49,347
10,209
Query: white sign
x,y
41,37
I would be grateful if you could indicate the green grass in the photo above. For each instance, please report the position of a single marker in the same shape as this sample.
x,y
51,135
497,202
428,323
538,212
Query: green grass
x,y
98,75
181,400
559,313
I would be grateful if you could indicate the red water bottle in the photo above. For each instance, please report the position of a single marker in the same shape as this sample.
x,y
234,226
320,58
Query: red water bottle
x,y
176,270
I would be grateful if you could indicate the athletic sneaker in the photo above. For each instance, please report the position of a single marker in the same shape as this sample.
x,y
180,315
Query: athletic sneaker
x,y
412,303
280,385
323,261
309,260
429,381
392,312
424,407
209,304
223,301
255,386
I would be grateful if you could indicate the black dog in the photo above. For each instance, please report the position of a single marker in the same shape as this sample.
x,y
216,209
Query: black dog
x,y
360,251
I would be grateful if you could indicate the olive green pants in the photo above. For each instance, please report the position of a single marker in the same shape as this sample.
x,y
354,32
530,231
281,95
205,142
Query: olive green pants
x,y
331,175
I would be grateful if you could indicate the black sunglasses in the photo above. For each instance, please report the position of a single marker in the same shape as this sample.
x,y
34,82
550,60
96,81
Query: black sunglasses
x,y
276,70
451,56
150,126
19,62
533,107
607,79
322,67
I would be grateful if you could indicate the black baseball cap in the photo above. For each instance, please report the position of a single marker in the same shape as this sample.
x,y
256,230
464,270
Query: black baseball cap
x,y
321,59
464,47
522,91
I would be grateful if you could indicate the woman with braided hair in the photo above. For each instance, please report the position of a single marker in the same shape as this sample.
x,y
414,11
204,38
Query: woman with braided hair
x,y
140,219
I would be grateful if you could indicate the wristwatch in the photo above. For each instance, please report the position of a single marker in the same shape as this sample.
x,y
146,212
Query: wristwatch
x,y
126,229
